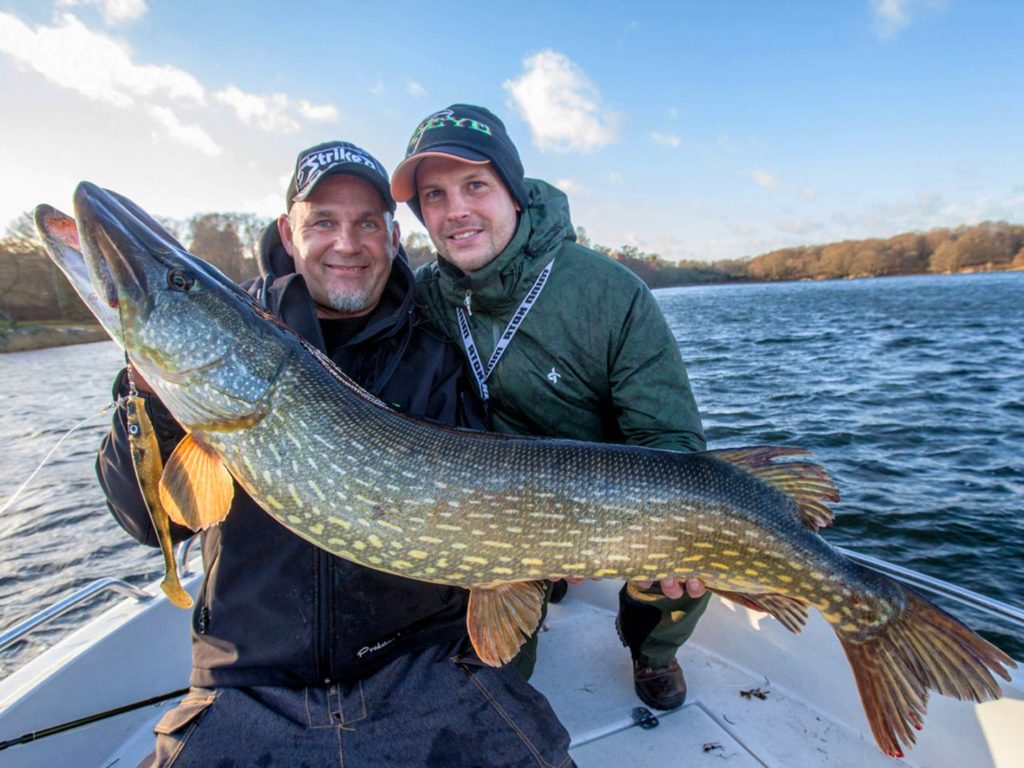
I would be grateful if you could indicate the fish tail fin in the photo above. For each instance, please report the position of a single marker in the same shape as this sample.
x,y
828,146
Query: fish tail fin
x,y
921,648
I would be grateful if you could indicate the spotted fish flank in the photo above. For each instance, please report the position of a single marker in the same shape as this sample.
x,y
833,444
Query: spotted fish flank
x,y
496,513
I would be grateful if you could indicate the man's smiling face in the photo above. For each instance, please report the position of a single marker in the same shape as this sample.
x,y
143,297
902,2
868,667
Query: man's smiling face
x,y
467,209
343,240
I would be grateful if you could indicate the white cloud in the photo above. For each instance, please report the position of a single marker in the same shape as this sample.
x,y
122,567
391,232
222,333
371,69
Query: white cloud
x,y
273,112
570,187
765,179
560,104
415,89
890,15
191,136
92,64
114,11
666,139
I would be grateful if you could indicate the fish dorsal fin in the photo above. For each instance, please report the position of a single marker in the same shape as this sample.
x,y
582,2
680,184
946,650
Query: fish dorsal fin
x,y
809,485
196,488
792,613
500,619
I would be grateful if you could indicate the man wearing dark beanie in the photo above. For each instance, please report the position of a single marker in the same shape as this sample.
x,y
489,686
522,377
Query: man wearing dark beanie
x,y
562,340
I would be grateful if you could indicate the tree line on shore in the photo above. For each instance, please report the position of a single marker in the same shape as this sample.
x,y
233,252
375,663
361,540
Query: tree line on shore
x,y
32,288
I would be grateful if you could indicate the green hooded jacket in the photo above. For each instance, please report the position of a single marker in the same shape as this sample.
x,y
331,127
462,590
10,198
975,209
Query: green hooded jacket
x,y
593,360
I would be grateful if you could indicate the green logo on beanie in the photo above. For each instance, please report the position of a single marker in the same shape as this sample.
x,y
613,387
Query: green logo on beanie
x,y
446,118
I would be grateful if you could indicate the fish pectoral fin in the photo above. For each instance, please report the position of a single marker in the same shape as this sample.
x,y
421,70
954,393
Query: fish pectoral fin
x,y
501,618
792,613
196,488
809,485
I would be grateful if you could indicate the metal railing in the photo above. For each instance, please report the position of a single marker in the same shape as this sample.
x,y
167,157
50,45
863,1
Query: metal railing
x,y
45,616
19,631
935,586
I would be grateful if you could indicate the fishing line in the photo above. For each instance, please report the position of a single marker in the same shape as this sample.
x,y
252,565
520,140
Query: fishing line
x,y
53,450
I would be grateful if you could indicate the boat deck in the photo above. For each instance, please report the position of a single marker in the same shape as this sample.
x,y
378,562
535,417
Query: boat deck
x,y
758,696
731,714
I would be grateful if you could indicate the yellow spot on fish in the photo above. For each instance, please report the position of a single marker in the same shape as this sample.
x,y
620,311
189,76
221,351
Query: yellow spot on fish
x,y
447,527
294,494
274,502
607,572
703,545
817,575
418,554
831,618
375,540
404,565
693,558
570,567
359,545
431,540
849,627
503,571
317,529
719,566
750,572
730,553
502,544
294,519
531,561
785,579
474,559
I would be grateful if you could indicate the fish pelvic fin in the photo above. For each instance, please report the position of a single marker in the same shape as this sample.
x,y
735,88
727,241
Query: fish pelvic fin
x,y
500,619
921,648
791,612
809,485
196,488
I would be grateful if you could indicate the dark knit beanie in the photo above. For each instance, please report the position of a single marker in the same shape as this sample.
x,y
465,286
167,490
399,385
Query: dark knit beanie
x,y
467,133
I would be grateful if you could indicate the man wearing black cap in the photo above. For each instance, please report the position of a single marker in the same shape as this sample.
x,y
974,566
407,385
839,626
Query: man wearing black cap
x,y
562,341
300,657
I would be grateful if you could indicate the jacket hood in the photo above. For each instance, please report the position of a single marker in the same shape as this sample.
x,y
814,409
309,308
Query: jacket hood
x,y
543,227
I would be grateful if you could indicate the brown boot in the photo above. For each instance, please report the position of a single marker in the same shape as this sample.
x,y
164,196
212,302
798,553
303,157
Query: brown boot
x,y
660,687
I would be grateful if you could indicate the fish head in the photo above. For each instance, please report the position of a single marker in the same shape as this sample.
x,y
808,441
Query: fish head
x,y
59,234
200,341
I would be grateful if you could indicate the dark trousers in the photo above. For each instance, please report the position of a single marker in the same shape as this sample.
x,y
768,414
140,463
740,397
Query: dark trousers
x,y
425,710
652,629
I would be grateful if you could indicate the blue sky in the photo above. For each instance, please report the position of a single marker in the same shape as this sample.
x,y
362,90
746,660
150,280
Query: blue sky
x,y
699,130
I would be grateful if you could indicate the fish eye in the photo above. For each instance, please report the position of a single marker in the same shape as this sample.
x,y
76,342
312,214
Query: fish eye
x,y
180,280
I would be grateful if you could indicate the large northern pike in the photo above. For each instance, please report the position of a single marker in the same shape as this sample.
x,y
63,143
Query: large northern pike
x,y
494,513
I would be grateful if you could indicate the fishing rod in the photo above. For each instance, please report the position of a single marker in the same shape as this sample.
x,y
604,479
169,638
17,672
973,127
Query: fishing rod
x,y
53,450
27,738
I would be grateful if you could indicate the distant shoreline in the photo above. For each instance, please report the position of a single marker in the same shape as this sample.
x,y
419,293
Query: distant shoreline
x,y
26,337
43,334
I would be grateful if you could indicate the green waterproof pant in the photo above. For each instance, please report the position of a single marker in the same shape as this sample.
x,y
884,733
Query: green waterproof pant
x,y
653,627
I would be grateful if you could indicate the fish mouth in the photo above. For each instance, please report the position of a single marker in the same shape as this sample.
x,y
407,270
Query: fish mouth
x,y
59,234
123,247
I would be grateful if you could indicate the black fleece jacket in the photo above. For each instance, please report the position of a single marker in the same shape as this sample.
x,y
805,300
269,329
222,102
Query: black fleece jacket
x,y
273,609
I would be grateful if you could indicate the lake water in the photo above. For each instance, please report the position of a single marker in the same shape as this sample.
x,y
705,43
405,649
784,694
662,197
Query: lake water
x,y
909,390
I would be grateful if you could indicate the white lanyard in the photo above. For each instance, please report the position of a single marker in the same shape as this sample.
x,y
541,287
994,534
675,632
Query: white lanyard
x,y
510,330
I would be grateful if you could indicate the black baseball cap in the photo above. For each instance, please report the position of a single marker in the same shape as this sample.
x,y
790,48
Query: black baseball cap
x,y
334,157
463,132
